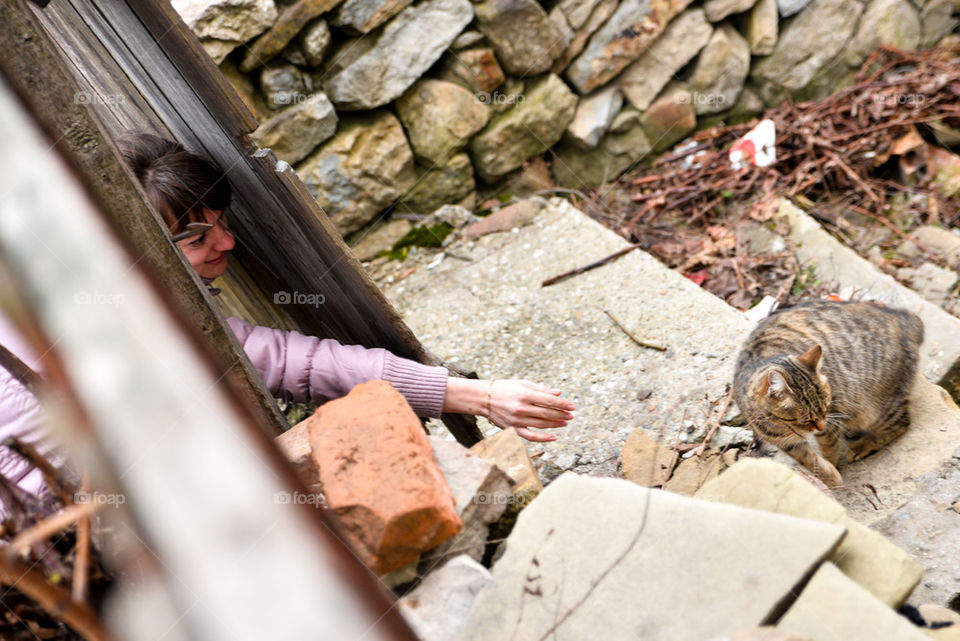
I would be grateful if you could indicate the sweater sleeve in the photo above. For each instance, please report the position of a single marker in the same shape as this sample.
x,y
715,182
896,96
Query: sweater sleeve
x,y
300,368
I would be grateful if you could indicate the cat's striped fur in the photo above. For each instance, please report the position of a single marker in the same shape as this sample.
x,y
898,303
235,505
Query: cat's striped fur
x,y
841,371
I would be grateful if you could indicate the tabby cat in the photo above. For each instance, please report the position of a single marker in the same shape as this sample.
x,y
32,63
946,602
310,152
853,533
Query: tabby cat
x,y
841,371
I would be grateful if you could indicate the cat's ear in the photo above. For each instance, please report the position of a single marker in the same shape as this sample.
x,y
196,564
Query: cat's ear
x,y
811,358
776,385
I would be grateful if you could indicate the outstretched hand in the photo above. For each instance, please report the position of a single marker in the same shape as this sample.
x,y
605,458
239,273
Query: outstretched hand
x,y
527,407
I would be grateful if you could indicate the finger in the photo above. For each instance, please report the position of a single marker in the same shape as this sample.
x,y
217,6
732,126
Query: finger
x,y
540,423
536,437
550,401
545,413
540,387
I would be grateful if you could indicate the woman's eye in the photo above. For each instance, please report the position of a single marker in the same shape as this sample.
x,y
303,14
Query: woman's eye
x,y
199,241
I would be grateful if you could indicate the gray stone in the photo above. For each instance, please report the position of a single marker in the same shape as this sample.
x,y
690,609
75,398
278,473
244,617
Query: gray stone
x,y
383,238
594,115
938,20
565,32
437,608
599,13
481,491
878,565
291,22
892,22
361,170
506,450
525,39
218,50
296,131
835,263
805,46
439,185
243,85
293,53
525,130
930,281
683,39
454,215
407,47
575,168
627,119
440,117
763,27
315,42
467,39
362,16
284,85
577,12
475,69
717,10
670,118
937,240
790,7
636,581
490,301
832,606
720,71
634,26
222,25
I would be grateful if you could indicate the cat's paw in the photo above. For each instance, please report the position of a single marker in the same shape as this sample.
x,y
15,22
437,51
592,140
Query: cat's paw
x,y
855,454
829,475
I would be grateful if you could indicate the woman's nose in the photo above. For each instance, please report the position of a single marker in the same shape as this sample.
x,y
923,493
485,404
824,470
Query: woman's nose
x,y
224,239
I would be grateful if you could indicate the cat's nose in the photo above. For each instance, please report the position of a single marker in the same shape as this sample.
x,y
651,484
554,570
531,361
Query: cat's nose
x,y
821,424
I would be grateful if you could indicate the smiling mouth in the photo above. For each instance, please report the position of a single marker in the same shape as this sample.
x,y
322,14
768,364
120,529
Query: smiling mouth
x,y
217,261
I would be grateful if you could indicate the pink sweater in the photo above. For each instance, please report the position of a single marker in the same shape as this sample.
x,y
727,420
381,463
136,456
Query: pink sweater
x,y
300,368
22,417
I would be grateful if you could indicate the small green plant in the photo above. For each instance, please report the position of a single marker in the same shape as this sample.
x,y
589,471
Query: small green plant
x,y
420,236
806,278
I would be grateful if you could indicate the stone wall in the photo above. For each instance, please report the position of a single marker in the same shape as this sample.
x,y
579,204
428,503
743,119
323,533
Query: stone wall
x,y
383,102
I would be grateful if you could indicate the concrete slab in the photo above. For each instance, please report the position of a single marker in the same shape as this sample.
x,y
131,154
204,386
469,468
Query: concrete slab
x,y
836,263
833,606
878,565
490,314
607,559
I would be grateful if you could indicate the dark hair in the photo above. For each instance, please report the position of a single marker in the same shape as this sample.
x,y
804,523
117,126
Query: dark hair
x,y
178,183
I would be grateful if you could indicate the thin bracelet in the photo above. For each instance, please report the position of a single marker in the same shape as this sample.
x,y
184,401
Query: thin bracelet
x,y
489,393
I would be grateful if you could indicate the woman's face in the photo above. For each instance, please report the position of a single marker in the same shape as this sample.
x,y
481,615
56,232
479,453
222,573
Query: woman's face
x,y
208,251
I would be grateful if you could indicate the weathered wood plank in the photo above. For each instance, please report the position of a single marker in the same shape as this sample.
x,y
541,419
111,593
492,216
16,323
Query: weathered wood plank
x,y
32,62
